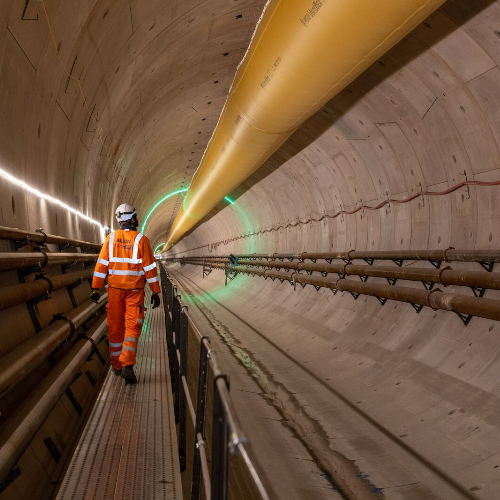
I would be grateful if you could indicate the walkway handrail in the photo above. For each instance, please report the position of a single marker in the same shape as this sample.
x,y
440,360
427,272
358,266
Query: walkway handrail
x,y
227,433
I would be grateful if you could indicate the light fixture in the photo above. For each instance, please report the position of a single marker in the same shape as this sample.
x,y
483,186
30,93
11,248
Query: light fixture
x,y
49,198
158,247
229,200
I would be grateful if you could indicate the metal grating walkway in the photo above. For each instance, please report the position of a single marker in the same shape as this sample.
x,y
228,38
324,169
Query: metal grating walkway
x,y
128,449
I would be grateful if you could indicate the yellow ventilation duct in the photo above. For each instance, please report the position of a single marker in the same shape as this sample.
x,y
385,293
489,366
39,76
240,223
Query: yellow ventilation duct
x,y
302,54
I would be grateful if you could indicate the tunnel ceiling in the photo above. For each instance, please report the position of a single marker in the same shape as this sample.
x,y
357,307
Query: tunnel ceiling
x,y
425,117
155,75
126,111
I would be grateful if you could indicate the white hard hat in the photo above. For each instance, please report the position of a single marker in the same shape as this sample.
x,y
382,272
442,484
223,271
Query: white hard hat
x,y
125,212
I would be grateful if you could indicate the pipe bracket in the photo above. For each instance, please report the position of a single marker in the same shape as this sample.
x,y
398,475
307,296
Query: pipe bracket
x,y
72,325
83,336
447,268
41,231
41,276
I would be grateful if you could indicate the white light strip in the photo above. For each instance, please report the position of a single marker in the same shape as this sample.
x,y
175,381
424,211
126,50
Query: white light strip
x,y
47,197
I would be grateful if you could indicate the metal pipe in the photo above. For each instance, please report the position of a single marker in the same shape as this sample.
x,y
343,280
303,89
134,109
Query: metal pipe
x,y
23,359
14,234
445,276
446,255
11,261
461,304
20,428
18,294
436,299
207,484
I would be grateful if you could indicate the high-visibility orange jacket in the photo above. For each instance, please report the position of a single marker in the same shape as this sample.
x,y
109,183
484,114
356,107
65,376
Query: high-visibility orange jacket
x,y
128,258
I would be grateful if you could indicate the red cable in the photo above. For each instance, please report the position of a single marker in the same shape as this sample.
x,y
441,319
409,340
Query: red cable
x,y
361,207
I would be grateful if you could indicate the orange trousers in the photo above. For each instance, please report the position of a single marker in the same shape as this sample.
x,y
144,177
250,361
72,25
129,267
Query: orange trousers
x,y
125,318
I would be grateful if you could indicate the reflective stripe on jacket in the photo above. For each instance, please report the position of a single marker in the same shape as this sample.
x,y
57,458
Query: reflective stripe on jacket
x,y
127,257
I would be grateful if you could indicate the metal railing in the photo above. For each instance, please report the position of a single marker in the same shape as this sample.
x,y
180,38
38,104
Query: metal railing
x,y
228,437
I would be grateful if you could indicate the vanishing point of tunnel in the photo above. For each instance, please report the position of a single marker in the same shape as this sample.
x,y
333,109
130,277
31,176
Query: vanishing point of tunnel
x,y
249,249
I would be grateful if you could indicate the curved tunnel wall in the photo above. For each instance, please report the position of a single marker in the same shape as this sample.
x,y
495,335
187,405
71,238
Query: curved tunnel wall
x,y
425,114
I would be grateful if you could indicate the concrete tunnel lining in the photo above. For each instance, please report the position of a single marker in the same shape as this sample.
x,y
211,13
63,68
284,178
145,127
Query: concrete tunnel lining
x,y
425,116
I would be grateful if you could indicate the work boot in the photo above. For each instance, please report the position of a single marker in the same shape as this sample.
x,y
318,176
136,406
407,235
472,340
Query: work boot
x,y
116,372
129,375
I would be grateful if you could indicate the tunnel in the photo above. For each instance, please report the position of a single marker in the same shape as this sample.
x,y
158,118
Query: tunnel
x,y
319,181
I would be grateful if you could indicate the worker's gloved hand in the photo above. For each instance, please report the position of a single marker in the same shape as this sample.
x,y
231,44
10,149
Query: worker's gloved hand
x,y
155,300
95,296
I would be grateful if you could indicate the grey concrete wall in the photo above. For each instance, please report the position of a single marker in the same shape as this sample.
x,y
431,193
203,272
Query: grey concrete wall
x,y
155,75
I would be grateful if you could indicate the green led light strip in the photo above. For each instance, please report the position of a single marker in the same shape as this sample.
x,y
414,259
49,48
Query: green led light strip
x,y
158,247
229,200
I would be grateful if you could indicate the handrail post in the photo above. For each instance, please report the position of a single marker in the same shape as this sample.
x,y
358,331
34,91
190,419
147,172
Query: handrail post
x,y
182,346
220,439
200,419
175,361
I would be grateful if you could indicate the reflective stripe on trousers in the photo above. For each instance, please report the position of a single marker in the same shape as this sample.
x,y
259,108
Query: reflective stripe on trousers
x,y
125,316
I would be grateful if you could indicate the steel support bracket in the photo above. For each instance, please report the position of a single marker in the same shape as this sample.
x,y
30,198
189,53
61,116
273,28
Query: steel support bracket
x,y
369,261
355,295
317,287
392,281
11,477
206,269
63,246
364,279
435,263
76,284
231,275
417,307
72,398
21,243
309,272
398,262
487,265
76,377
381,300
68,266
37,300
464,317
478,292
428,285
324,274
31,270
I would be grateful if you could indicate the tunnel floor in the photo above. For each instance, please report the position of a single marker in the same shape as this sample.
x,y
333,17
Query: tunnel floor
x,y
128,449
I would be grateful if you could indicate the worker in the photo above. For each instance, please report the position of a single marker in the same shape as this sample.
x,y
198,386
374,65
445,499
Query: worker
x,y
127,257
